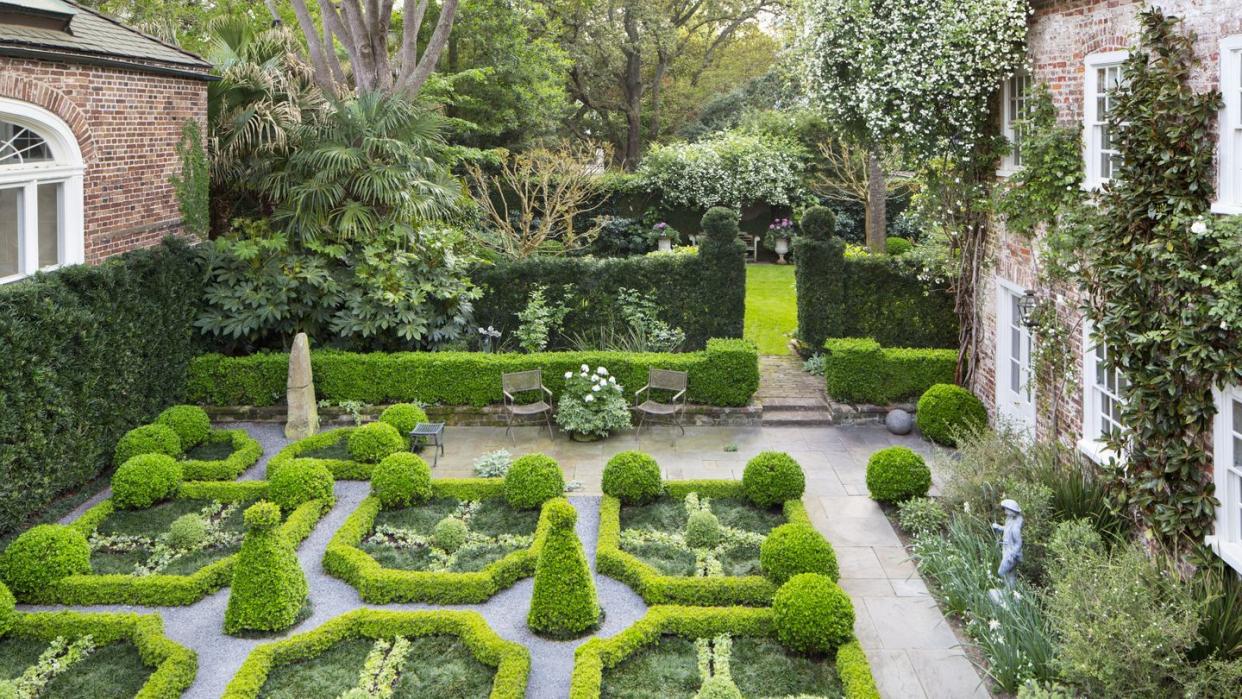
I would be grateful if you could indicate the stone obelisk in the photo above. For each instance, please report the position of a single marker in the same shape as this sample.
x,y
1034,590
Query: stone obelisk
x,y
303,418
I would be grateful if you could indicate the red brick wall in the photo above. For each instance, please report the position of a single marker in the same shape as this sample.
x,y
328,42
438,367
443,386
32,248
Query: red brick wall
x,y
1062,34
128,124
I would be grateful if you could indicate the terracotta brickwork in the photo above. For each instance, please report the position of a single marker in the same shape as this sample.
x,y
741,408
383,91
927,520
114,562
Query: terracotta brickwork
x,y
1062,34
128,124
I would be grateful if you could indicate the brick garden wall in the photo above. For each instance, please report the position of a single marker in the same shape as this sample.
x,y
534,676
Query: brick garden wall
x,y
1062,34
128,124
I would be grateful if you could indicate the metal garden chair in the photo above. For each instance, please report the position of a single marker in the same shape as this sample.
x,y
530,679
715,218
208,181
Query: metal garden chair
x,y
664,380
525,382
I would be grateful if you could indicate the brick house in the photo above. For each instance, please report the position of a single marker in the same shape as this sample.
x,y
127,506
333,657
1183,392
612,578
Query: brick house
x,y
1076,48
91,112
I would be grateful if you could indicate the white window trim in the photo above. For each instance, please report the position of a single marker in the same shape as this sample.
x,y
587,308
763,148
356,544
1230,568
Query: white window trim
x,y
1090,444
1007,165
66,167
1229,144
1222,436
1091,160
1004,288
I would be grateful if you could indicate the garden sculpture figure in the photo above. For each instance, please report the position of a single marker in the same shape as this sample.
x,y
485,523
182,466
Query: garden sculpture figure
x,y
1011,541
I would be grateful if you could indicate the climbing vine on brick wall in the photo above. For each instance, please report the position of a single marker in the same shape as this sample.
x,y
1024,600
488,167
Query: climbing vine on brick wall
x,y
1161,285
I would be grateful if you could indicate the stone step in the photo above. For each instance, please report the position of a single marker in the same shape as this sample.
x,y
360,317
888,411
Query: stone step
x,y
800,418
782,403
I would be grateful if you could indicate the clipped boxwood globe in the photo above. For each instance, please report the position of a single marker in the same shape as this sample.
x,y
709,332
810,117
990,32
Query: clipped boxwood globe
x,y
792,549
702,530
947,411
773,477
632,477
147,439
720,224
818,223
190,422
145,480
42,555
372,442
8,609
299,482
896,474
403,416
401,480
187,531
812,614
449,534
532,480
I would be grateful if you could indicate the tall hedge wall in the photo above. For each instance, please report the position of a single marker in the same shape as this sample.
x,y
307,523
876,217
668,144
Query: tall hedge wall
x,y
725,374
879,297
89,352
698,293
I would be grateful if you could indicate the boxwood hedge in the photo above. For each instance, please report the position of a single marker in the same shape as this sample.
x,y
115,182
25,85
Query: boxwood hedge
x,y
379,585
724,374
246,451
861,371
175,665
511,660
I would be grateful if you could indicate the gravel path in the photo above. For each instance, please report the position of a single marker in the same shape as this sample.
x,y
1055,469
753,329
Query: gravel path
x,y
200,625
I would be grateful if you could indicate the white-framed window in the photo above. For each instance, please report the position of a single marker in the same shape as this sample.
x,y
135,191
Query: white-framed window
x,y
1103,76
1015,94
1015,386
1226,540
1103,397
40,192
1229,194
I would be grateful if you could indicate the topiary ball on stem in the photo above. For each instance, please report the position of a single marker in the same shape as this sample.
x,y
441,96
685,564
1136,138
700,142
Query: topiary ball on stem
x,y
703,530
147,439
401,480
372,442
404,417
533,480
896,474
269,588
42,555
773,477
145,480
812,614
564,603
793,549
946,412
818,223
190,422
632,477
299,482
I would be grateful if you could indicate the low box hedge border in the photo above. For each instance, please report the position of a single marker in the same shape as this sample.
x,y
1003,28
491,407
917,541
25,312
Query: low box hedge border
x,y
859,370
171,590
511,660
246,453
655,587
598,654
379,585
724,374
342,469
175,665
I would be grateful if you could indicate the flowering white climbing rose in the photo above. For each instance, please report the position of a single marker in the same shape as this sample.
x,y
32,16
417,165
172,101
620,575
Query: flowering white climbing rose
x,y
729,170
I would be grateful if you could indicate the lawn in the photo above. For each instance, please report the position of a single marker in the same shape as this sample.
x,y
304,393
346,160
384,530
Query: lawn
x,y
771,306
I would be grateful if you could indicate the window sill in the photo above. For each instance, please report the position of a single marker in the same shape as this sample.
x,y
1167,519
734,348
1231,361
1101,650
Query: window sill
x,y
1097,451
1230,553
1227,208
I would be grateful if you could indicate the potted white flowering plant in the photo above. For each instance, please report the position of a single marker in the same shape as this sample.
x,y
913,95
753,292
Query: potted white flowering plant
x,y
592,405
777,238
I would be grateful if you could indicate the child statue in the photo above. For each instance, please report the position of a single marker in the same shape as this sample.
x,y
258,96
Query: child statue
x,y
1011,541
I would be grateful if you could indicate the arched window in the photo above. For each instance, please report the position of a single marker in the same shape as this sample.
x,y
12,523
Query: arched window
x,y
40,191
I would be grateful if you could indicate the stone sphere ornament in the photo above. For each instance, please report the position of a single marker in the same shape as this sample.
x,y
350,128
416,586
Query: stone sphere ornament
x,y
899,421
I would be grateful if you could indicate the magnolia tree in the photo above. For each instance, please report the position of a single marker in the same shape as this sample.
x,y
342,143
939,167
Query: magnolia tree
x,y
913,74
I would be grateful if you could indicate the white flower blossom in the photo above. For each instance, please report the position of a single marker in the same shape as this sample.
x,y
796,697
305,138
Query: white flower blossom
x,y
569,374
1199,227
588,398
585,369
601,371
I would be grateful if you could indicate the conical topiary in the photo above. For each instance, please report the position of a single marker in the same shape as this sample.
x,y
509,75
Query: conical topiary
x,y
269,588
564,604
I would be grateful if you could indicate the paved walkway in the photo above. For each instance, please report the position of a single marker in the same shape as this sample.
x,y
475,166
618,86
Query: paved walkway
x,y
912,650
790,396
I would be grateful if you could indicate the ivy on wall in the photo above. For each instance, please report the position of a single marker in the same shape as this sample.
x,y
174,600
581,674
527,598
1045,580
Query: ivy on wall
x,y
192,184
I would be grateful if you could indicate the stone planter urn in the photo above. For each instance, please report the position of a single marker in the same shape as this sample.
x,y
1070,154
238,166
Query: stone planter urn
x,y
665,243
782,247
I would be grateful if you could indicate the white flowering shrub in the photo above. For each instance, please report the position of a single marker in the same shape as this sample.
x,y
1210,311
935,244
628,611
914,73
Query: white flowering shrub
x,y
916,73
593,403
731,170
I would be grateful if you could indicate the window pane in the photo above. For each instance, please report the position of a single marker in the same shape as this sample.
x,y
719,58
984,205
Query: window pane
x,y
1236,408
10,231
19,145
49,224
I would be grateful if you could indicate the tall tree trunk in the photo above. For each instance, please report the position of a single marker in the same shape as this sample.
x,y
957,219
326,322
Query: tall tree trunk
x,y
633,86
877,201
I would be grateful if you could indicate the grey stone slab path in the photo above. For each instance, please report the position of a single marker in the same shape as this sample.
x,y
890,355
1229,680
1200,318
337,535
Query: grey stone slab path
x,y
913,651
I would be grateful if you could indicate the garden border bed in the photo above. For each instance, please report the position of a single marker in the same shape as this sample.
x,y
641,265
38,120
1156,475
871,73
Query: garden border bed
x,y
246,453
592,657
342,469
175,665
379,585
511,659
655,587
159,590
